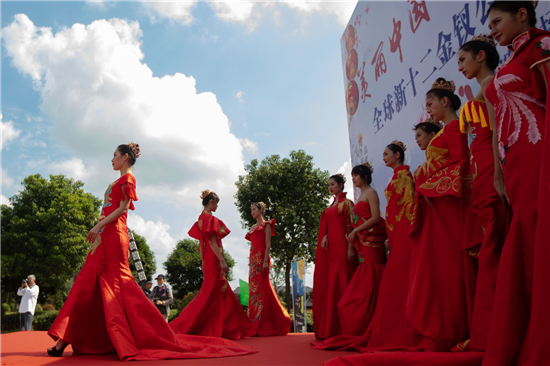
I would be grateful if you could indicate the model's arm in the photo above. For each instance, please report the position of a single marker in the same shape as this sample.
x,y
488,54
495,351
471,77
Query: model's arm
x,y
121,210
374,202
267,246
498,177
217,253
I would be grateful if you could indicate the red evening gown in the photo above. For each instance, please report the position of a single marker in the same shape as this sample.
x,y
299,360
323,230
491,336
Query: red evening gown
x,y
265,311
333,270
107,311
215,311
436,303
390,326
356,308
518,93
492,216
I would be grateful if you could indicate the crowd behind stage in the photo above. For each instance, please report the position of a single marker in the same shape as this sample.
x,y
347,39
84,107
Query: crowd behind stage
x,y
468,233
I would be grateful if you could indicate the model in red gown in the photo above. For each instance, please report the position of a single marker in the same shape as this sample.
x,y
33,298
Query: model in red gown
x,y
356,308
390,326
215,311
436,304
518,94
106,310
491,213
265,311
333,268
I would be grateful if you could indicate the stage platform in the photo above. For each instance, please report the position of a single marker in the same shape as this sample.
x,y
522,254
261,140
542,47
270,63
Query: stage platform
x,y
29,348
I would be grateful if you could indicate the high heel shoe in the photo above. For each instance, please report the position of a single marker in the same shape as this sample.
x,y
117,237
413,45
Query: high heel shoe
x,y
54,352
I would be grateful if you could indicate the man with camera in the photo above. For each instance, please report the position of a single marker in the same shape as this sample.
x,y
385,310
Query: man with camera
x,y
162,297
29,292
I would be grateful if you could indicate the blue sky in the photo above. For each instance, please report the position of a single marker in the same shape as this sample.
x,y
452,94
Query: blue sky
x,y
204,88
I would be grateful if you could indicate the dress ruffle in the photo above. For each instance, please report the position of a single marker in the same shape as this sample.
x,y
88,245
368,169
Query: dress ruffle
x,y
261,227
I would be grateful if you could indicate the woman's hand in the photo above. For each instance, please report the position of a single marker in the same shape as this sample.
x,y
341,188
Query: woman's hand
x,y
351,253
92,234
324,243
351,237
266,264
224,266
500,187
427,199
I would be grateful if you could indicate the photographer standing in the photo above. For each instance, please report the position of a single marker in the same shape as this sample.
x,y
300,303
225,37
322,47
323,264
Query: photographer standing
x,y
162,297
29,292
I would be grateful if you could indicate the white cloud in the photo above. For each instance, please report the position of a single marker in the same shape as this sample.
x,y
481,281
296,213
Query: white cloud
x,y
179,11
98,94
251,146
73,168
9,132
239,96
345,169
249,12
158,238
342,10
7,182
4,200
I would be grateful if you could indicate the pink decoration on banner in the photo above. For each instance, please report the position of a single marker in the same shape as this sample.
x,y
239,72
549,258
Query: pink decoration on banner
x,y
395,40
380,62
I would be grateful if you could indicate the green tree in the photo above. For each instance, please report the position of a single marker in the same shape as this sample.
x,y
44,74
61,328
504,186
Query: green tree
x,y
43,233
147,258
295,194
184,267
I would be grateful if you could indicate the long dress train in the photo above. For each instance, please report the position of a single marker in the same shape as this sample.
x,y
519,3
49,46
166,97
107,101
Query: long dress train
x,y
215,311
107,311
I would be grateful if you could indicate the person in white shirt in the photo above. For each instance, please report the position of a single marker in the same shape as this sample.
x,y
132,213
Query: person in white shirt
x,y
29,292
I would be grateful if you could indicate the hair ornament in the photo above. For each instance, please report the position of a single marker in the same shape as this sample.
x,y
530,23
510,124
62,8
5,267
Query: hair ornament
x,y
341,176
205,193
437,123
135,149
445,85
487,38
400,144
367,164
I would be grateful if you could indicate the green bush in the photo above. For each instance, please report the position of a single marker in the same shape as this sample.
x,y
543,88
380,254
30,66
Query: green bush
x,y
48,307
6,308
38,309
10,322
44,320
182,303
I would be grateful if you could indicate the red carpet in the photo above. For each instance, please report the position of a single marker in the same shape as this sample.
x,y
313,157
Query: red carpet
x,y
29,348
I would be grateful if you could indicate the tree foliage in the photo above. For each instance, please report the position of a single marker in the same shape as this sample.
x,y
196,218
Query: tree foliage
x,y
295,194
184,267
147,258
43,233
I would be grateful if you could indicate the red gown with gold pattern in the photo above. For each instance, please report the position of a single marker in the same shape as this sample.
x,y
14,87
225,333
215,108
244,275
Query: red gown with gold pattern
x,y
357,306
107,311
436,303
390,326
491,216
519,95
333,270
215,311
265,311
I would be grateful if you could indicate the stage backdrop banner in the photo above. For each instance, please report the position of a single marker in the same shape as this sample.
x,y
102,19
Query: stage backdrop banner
x,y
298,295
392,52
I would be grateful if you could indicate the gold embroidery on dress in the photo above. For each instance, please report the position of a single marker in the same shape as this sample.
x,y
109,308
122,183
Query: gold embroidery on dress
x,y
404,186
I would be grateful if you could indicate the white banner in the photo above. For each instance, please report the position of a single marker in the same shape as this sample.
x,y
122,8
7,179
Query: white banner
x,y
392,52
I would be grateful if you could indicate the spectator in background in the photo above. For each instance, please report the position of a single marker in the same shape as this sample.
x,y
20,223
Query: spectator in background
x,y
29,292
147,289
162,297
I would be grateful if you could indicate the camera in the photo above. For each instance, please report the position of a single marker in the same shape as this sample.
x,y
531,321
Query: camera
x,y
25,281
